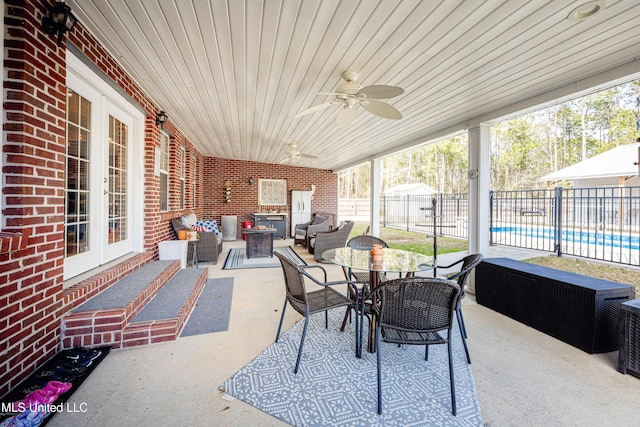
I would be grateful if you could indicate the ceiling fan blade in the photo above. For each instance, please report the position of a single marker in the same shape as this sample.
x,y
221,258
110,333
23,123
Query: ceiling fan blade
x,y
285,160
381,91
315,108
307,156
381,109
345,117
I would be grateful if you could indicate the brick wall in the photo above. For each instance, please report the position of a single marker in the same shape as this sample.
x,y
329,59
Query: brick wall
x,y
244,197
33,193
32,299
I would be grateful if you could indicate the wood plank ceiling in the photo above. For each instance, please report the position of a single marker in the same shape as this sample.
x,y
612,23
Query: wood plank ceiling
x,y
231,74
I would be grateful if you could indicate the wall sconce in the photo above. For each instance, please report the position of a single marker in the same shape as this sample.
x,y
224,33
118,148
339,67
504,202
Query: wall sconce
x,y
60,20
161,117
250,181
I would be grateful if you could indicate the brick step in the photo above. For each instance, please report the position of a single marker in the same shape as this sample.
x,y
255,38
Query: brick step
x,y
165,315
102,319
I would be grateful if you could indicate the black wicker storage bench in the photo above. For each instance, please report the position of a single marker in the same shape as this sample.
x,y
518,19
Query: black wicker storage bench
x,y
579,310
629,356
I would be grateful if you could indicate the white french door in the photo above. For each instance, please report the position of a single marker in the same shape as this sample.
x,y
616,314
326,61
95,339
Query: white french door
x,y
117,189
101,171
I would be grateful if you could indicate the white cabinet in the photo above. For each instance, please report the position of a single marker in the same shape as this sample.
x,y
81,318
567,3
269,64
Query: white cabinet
x,y
300,208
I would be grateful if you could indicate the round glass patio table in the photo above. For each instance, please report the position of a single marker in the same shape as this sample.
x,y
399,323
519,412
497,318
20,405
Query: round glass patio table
x,y
391,261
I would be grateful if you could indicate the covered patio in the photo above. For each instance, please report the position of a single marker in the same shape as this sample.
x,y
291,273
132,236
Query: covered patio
x,y
121,116
523,377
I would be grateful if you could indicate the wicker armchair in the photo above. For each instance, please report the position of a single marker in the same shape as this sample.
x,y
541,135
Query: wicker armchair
x,y
304,232
208,247
413,311
326,240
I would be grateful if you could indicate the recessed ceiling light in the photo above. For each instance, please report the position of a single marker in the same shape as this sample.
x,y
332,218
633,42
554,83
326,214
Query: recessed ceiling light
x,y
587,10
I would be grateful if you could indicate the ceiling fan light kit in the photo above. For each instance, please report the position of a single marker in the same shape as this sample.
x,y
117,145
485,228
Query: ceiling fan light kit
x,y
350,94
293,153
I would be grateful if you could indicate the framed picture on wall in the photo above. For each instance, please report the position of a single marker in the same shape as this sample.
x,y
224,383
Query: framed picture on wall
x,y
272,191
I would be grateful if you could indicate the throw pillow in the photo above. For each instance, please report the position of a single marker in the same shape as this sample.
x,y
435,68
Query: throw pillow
x,y
189,220
318,219
210,226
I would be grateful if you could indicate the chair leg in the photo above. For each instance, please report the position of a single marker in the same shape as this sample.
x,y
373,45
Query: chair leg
x,y
426,353
281,319
451,379
344,321
463,327
304,333
466,349
378,357
463,334
358,339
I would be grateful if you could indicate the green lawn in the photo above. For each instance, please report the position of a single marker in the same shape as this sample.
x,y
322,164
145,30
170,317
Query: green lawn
x,y
600,270
412,241
419,242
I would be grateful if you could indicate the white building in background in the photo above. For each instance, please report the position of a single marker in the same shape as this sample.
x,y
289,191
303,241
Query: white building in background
x,y
414,189
606,188
616,167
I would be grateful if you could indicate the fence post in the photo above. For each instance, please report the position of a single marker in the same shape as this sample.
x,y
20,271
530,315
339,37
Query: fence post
x,y
386,211
557,218
434,206
440,206
490,217
406,212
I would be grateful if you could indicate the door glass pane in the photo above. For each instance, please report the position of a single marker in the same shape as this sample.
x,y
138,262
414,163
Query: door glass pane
x,y
78,167
118,152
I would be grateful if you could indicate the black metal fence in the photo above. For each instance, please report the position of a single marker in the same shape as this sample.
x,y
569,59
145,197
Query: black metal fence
x,y
409,213
601,223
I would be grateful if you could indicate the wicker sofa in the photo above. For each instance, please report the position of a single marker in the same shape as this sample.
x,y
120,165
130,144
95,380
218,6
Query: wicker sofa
x,y
335,238
209,245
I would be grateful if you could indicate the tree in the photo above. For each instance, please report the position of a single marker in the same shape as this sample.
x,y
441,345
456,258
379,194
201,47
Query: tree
x,y
523,149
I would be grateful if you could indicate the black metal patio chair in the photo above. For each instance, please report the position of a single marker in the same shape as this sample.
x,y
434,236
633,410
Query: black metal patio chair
x,y
308,303
414,311
462,277
363,242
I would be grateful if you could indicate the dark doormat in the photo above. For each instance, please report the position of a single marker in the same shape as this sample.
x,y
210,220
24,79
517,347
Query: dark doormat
x,y
68,366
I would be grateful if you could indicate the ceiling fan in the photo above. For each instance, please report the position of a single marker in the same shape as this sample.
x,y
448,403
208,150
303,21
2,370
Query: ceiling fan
x,y
292,153
351,94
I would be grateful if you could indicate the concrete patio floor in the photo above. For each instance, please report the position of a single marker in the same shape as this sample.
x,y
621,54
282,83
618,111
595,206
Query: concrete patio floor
x,y
523,377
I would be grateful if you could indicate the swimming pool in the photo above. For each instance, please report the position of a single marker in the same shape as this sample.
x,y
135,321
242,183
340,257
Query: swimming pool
x,y
607,239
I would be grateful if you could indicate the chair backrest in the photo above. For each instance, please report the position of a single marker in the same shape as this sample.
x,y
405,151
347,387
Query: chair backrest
x,y
468,264
418,304
344,228
366,242
294,284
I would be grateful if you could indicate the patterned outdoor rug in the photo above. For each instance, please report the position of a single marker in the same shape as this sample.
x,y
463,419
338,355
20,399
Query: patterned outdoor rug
x,y
237,260
333,387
